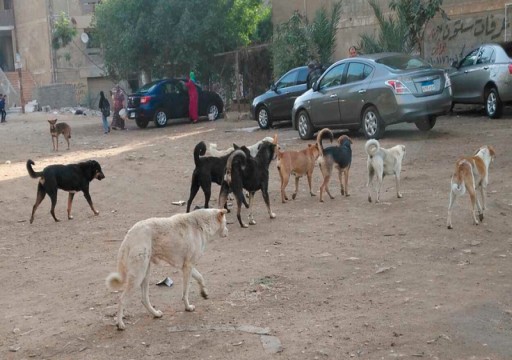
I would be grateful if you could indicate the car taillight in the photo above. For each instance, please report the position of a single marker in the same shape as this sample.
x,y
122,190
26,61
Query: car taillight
x,y
145,99
398,87
448,81
510,68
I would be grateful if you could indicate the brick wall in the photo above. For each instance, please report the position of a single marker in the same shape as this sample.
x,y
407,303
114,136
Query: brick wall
x,y
28,83
56,95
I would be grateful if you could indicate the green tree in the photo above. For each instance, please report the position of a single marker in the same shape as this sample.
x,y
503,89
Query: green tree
x,y
63,32
323,32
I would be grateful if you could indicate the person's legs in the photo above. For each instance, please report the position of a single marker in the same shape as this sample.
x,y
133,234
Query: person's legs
x,y
106,129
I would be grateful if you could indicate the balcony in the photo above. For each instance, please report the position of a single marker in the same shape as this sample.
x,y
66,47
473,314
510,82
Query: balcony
x,y
6,18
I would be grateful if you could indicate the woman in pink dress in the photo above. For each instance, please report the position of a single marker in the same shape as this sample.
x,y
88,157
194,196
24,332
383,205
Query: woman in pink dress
x,y
192,98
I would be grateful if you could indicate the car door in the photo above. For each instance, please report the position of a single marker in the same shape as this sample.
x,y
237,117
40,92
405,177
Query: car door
x,y
324,101
480,74
178,99
352,94
287,89
460,77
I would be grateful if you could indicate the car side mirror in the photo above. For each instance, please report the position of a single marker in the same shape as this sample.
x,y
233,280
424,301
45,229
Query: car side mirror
x,y
315,86
273,87
455,64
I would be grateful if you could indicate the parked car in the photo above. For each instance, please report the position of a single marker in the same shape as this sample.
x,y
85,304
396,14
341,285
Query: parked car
x,y
371,92
276,103
166,99
484,76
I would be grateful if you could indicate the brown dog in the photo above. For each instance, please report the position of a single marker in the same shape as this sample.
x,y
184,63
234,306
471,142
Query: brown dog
x,y
471,173
298,163
339,156
56,130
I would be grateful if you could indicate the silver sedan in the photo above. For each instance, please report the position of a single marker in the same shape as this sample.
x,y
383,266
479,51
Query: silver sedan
x,y
371,92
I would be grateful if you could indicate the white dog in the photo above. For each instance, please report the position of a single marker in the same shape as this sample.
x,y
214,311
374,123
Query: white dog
x,y
471,173
179,241
383,162
212,148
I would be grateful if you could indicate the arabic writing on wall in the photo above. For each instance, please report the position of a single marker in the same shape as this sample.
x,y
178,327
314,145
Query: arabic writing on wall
x,y
452,40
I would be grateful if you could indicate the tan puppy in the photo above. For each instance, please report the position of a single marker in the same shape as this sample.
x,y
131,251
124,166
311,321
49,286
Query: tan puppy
x,y
179,241
471,173
298,163
339,156
383,162
56,130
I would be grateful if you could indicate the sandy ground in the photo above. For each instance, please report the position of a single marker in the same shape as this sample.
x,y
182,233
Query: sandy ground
x,y
339,280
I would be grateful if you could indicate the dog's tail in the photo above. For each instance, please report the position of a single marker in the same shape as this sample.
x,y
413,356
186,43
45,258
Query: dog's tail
x,y
371,147
229,164
31,171
199,150
115,280
461,167
319,138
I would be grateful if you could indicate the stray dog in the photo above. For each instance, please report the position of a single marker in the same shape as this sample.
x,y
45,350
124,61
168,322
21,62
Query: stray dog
x,y
71,178
383,162
212,148
298,163
56,130
471,173
208,169
179,241
338,156
250,173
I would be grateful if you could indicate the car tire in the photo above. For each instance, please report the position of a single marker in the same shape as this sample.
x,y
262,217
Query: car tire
x,y
160,118
141,123
493,105
372,125
426,124
213,111
306,130
263,117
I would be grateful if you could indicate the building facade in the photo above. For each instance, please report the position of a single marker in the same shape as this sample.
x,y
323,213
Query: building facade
x,y
472,22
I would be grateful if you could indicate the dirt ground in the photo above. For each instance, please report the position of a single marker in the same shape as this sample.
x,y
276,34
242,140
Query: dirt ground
x,y
336,280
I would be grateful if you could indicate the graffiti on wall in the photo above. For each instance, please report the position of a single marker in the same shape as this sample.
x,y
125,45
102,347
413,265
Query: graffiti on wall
x,y
452,40
80,92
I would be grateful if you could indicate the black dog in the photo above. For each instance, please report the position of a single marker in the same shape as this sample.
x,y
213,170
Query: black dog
x,y
208,169
250,173
71,178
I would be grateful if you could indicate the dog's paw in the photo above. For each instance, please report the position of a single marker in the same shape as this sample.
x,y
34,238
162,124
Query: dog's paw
x,y
70,217
96,212
399,195
244,225
121,326
204,293
481,217
158,314
252,222
347,194
272,215
369,199
450,227
294,195
190,308
312,194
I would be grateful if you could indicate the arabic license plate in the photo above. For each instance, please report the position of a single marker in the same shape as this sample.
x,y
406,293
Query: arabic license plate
x,y
132,115
427,86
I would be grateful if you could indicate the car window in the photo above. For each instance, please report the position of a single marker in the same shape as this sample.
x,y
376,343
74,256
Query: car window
x,y
356,72
403,62
169,88
289,79
485,55
303,76
470,58
332,77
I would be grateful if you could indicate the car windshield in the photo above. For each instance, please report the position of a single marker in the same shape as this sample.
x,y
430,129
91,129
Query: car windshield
x,y
403,62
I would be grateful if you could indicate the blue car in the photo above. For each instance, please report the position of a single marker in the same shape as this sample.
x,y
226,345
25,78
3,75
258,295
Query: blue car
x,y
166,99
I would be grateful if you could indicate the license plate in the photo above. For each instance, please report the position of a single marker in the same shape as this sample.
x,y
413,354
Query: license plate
x,y
132,115
427,86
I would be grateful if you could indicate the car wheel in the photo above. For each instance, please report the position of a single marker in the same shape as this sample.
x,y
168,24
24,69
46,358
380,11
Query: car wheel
x,y
371,123
263,117
142,123
213,112
160,118
493,105
426,124
306,130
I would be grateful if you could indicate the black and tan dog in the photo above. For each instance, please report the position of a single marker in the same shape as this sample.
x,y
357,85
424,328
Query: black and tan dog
x,y
56,130
250,173
334,156
71,178
208,169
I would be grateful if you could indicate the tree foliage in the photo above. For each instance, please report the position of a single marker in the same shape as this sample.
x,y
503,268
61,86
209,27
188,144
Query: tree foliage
x,y
172,37
297,41
404,29
63,31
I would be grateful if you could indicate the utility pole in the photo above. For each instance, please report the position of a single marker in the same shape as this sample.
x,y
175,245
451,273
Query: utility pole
x,y
18,63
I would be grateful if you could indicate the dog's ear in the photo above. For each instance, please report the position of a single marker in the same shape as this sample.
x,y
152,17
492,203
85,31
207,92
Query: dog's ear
x,y
492,152
221,214
275,139
235,146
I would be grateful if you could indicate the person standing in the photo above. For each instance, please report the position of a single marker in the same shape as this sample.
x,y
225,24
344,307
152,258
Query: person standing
x,y
104,107
314,72
117,120
192,98
2,108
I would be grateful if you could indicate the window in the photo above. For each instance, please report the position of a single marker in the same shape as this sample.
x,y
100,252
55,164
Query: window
x,y
7,4
303,76
404,62
288,80
470,58
332,78
485,55
355,72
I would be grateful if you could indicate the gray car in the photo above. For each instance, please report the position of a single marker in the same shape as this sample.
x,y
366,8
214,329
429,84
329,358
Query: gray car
x,y
371,92
484,76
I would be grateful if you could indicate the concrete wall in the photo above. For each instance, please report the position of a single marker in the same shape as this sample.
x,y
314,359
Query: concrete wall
x,y
56,95
471,23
